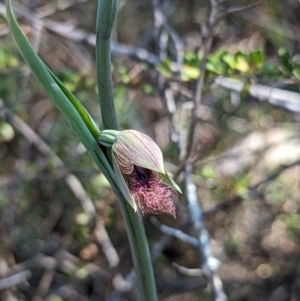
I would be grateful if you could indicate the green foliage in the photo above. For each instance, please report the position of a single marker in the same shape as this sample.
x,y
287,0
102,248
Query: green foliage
x,y
232,244
208,172
55,298
124,74
148,89
288,66
239,64
9,70
220,62
72,79
7,60
292,224
3,201
241,185
296,69
165,68
7,132
80,229
285,61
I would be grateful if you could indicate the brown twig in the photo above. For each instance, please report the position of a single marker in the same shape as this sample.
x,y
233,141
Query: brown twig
x,y
44,285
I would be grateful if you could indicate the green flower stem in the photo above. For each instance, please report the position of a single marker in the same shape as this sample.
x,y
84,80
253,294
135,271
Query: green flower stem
x,y
105,19
139,251
133,222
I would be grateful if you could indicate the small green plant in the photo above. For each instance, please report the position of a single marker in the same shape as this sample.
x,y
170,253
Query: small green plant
x,y
242,64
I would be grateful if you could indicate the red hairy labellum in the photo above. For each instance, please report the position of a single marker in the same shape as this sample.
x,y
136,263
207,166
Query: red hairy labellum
x,y
151,195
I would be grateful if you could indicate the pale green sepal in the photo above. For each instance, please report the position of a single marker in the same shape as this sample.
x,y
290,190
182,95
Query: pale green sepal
x,y
123,186
106,139
113,133
140,150
170,182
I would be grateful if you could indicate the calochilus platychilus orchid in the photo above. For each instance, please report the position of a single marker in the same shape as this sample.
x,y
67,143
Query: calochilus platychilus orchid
x,y
139,167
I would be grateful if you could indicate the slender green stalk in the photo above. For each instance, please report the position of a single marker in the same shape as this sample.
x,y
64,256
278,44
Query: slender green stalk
x,y
139,251
105,19
133,222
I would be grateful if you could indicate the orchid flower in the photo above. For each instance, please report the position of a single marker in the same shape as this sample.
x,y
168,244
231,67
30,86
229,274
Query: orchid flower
x,y
139,168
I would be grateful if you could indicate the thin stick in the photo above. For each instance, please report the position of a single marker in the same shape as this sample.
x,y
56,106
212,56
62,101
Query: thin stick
x,y
210,263
14,279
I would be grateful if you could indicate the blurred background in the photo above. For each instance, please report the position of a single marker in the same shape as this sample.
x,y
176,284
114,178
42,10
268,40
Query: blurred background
x,y
61,231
